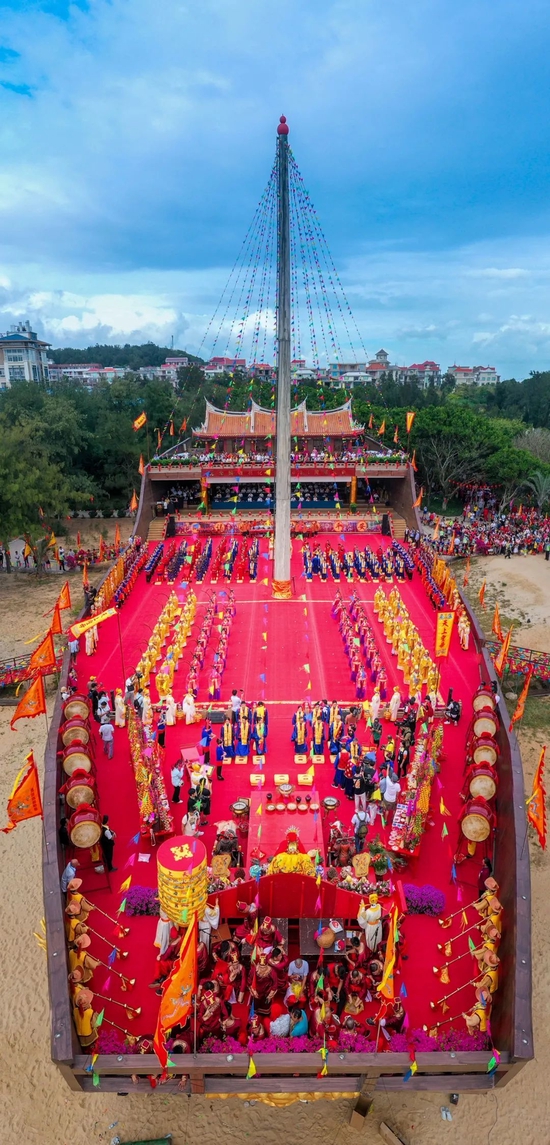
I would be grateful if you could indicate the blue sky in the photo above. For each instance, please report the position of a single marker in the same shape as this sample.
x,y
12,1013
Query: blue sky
x,y
136,138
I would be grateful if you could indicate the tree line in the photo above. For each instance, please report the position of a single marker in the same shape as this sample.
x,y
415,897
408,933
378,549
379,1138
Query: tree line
x,y
65,447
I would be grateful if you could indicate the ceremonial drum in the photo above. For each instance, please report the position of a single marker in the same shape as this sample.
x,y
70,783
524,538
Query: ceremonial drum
x,y
482,780
484,698
75,730
485,722
85,826
183,878
485,750
80,788
77,706
77,758
476,820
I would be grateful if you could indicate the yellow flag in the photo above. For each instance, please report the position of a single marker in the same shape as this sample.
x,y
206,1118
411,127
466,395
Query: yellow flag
x,y
386,987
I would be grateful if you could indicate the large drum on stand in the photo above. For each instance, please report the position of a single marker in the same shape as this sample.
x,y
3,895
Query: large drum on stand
x,y
485,750
182,878
484,698
77,706
77,758
485,723
75,730
476,820
80,788
482,780
85,826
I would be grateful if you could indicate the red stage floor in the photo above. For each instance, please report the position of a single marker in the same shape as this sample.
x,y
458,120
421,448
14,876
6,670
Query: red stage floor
x,y
276,649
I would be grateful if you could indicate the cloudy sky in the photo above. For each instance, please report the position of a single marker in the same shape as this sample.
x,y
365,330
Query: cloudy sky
x,y
136,138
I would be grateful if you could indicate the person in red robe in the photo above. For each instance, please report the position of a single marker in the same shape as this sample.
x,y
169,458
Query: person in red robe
x,y
279,963
263,983
268,934
211,1010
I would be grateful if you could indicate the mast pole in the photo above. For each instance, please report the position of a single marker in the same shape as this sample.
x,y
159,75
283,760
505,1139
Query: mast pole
x,y
282,483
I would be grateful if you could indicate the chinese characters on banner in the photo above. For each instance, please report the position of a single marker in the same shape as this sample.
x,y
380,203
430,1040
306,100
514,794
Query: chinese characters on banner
x,y
443,632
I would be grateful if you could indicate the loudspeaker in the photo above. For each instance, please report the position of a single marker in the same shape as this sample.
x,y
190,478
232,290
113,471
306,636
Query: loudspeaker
x,y
386,531
171,526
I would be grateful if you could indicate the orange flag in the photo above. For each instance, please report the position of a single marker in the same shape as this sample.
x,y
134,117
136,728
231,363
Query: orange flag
x,y
481,593
410,418
500,660
536,807
177,992
520,706
466,579
396,436
171,429
56,627
413,461
140,421
418,502
183,425
32,704
497,628
371,421
64,598
382,429
43,657
85,580
159,439
435,536
117,536
24,801
78,540
133,503
141,466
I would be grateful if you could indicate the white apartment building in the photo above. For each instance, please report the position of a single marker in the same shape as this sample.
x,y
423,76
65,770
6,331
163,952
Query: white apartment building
x,y
474,375
23,357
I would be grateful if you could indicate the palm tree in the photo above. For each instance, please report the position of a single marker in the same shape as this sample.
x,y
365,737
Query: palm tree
x,y
539,486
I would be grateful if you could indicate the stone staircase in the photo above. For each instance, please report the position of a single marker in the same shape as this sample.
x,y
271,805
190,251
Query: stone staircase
x,y
156,529
399,526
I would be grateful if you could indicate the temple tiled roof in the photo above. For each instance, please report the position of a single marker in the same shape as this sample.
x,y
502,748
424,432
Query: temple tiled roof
x,y
260,422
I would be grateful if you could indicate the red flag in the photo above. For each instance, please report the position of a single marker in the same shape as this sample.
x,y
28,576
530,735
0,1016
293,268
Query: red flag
x,y
24,801
536,807
177,992
520,706
43,657
32,704
64,598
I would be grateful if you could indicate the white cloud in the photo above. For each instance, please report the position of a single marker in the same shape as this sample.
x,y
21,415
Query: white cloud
x,y
510,272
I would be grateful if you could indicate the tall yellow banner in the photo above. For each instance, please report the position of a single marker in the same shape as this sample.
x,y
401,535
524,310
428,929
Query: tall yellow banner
x,y
443,633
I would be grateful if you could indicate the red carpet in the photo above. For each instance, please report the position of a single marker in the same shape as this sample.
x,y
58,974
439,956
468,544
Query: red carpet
x,y
276,649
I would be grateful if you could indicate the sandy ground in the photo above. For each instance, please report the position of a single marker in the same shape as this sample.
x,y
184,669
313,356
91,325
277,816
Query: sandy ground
x,y
35,1104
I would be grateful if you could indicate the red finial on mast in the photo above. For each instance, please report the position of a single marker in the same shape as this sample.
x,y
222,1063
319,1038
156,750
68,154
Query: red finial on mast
x,y
282,128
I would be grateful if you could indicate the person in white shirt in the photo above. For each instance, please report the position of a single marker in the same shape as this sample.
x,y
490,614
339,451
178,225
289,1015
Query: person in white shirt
x,y
107,733
392,788
177,774
235,702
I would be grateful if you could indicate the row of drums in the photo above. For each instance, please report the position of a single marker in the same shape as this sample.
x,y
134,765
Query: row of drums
x,y
480,784
79,788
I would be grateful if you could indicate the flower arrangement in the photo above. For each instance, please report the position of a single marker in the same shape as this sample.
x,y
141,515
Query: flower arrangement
x,y
142,900
110,1042
424,900
450,1041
